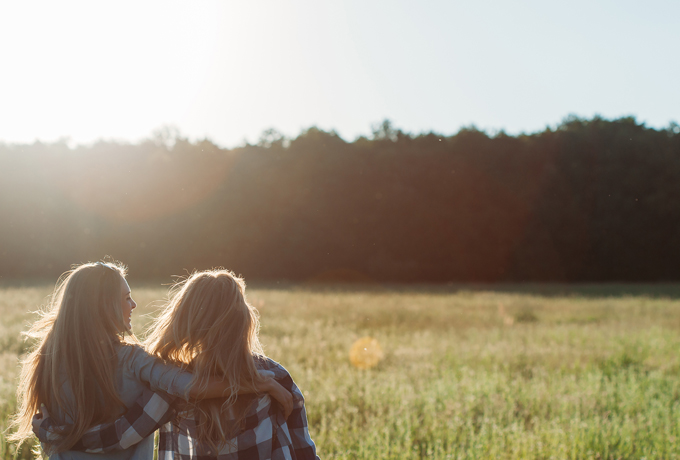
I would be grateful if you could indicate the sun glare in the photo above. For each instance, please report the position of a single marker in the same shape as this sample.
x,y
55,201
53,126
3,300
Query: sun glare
x,y
87,71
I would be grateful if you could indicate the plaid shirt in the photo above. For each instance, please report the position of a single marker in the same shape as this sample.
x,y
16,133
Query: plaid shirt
x,y
148,413
266,435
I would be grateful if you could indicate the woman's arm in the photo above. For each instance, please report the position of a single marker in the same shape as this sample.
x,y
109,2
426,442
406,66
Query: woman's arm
x,y
171,379
148,413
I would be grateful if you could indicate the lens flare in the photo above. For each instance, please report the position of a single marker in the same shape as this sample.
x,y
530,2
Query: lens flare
x,y
365,353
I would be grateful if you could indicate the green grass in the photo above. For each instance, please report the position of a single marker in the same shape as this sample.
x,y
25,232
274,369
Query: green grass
x,y
480,372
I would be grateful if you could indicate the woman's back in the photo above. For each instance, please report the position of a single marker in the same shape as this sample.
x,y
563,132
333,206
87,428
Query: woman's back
x,y
136,371
73,368
265,433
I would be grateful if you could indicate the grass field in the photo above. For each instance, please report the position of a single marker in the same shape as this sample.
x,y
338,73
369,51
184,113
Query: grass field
x,y
517,372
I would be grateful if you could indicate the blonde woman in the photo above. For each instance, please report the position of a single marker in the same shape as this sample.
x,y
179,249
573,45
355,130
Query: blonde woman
x,y
85,371
209,329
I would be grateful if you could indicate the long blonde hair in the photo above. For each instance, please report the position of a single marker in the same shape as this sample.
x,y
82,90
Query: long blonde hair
x,y
78,338
208,327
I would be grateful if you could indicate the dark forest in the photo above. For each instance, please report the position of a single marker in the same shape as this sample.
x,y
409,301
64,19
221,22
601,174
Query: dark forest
x,y
586,201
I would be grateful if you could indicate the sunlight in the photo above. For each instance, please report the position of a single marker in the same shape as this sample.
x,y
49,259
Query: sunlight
x,y
88,71
229,69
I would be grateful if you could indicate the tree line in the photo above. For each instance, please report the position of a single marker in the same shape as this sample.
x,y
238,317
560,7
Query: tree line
x,y
589,200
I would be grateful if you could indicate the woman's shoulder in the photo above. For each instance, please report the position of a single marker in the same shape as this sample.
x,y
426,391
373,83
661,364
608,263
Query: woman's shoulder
x,y
267,364
129,349
130,352
282,376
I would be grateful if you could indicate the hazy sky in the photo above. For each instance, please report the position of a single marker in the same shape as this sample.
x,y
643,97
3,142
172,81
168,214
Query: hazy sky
x,y
227,70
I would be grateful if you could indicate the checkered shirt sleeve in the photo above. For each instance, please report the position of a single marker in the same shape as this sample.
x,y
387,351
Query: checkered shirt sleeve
x,y
148,413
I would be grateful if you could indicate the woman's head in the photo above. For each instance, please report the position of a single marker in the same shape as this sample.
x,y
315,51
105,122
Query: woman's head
x,y
95,299
208,326
207,323
78,338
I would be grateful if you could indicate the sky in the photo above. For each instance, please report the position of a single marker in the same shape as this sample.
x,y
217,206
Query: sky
x,y
227,70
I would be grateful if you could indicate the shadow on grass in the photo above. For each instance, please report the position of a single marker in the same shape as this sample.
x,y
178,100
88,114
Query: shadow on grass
x,y
594,290
589,290
666,290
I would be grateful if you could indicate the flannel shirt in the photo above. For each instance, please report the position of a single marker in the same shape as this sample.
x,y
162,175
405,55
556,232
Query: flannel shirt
x,y
147,414
266,434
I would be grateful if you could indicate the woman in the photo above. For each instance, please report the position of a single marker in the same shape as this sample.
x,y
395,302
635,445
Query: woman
x,y
209,328
85,371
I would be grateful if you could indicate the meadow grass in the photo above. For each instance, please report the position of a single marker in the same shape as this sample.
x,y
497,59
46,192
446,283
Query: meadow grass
x,y
484,372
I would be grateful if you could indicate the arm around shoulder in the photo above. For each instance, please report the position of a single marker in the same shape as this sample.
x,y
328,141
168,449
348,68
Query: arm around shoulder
x,y
160,376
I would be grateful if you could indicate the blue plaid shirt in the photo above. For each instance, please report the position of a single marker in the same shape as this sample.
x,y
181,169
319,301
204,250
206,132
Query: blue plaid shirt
x,y
266,433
